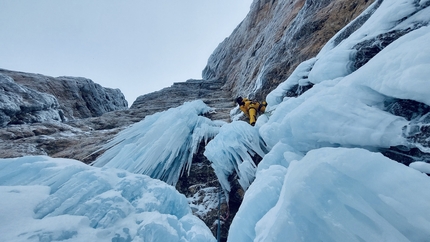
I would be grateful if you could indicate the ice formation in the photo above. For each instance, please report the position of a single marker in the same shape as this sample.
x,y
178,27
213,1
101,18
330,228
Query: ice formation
x,y
47,199
161,145
344,194
232,150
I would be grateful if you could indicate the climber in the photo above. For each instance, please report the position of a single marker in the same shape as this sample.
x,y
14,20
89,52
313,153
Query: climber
x,y
251,109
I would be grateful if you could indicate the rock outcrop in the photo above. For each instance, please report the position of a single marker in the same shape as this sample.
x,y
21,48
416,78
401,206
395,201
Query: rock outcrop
x,y
19,104
210,92
59,117
76,97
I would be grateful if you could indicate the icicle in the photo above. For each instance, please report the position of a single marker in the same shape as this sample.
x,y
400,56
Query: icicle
x,y
232,150
162,145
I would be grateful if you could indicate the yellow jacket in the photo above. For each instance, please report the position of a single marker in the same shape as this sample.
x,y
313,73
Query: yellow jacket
x,y
251,109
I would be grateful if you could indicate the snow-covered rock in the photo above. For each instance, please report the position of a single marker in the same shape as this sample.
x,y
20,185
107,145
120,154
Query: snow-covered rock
x,y
42,115
77,97
19,104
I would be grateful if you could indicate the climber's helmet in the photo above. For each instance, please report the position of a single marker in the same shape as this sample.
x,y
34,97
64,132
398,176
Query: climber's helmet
x,y
239,100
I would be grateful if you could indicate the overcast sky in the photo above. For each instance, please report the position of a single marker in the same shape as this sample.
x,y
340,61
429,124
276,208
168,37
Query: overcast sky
x,y
139,46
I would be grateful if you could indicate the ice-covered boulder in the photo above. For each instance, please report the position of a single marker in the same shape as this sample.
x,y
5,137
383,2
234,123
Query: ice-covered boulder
x,y
352,84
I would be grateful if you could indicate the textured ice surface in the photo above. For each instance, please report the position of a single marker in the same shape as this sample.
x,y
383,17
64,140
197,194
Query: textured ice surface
x,y
47,199
161,145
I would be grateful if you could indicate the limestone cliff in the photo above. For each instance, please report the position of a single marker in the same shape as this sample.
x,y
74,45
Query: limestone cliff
x,y
273,39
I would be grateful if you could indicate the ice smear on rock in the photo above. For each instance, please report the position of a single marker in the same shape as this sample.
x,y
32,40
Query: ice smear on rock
x,y
61,199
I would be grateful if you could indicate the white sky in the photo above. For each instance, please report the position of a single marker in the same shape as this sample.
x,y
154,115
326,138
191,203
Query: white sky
x,y
139,46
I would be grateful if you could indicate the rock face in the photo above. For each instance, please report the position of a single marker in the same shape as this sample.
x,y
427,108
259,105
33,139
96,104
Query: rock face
x,y
60,117
76,97
273,39
204,193
19,104
210,92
